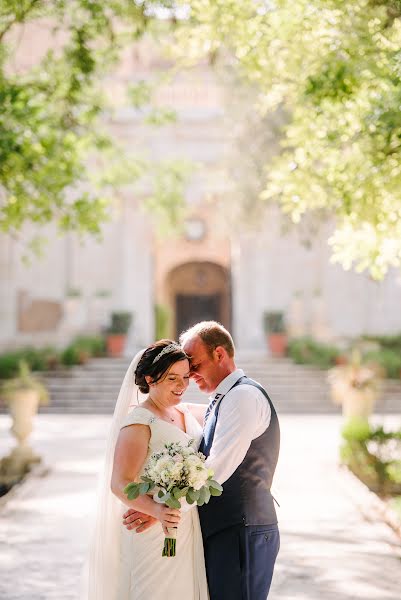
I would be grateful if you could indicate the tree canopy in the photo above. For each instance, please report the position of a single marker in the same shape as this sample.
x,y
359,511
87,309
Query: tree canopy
x,y
50,130
335,67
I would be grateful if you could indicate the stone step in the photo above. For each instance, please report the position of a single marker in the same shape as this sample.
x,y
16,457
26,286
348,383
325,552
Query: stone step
x,y
108,387
284,403
105,410
93,388
120,366
281,409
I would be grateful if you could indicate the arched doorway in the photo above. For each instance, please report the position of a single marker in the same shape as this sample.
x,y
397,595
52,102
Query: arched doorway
x,y
199,291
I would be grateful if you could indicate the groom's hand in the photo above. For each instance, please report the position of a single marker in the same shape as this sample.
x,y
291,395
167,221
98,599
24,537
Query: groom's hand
x,y
133,519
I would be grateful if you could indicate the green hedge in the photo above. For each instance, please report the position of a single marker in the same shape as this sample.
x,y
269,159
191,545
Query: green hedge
x,y
44,359
37,359
94,345
389,360
306,351
387,342
373,455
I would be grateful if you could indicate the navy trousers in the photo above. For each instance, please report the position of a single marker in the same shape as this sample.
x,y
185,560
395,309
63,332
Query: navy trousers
x,y
240,562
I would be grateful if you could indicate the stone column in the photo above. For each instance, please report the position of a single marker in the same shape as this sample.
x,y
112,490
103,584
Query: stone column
x,y
136,293
249,291
8,306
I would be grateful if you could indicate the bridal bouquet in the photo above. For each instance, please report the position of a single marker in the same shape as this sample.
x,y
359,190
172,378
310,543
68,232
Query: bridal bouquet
x,y
177,472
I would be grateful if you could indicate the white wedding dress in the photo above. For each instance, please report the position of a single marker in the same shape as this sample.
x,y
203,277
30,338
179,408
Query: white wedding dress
x,y
144,573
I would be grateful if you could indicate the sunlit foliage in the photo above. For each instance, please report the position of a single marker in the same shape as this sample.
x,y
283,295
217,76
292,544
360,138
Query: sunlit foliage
x,y
335,65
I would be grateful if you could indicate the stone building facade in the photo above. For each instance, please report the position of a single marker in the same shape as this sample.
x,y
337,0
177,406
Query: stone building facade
x,y
207,272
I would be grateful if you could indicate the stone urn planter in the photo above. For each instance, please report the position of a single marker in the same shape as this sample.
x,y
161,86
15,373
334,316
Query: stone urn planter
x,y
355,403
355,387
23,394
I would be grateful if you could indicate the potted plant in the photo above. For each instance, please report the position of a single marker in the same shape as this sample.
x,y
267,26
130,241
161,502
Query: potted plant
x,y
117,333
355,386
23,394
275,330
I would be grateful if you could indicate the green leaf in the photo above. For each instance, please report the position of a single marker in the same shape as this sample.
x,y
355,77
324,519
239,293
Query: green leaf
x,y
203,492
180,493
143,488
193,494
132,491
147,479
129,486
214,484
206,495
173,502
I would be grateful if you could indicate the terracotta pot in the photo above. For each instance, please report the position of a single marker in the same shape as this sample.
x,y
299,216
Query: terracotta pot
x,y
277,343
115,344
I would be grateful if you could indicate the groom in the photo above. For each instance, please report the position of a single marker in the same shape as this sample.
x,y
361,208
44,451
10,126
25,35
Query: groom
x,y
241,442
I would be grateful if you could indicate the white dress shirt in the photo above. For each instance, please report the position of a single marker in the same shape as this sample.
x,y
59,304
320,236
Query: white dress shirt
x,y
244,415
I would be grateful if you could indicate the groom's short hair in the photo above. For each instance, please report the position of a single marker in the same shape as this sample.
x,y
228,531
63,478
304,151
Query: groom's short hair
x,y
212,334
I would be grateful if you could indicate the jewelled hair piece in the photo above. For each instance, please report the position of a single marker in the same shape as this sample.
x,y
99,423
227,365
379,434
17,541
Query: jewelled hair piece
x,y
166,350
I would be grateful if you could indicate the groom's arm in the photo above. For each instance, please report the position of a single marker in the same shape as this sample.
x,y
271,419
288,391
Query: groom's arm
x,y
243,416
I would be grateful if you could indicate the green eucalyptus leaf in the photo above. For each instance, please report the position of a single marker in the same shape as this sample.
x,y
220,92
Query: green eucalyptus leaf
x,y
143,488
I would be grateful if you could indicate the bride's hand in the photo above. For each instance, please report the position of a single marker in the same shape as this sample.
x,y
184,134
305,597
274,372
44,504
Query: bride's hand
x,y
134,519
168,517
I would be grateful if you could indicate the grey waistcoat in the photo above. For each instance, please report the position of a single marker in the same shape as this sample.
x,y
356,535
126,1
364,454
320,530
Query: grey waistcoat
x,y
246,497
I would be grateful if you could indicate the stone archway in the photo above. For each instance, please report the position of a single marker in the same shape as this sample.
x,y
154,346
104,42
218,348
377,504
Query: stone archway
x,y
199,291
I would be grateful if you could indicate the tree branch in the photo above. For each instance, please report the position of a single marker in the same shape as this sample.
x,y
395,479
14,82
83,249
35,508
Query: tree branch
x,y
18,18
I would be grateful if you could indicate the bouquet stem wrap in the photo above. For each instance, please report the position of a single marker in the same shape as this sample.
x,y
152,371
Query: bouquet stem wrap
x,y
170,542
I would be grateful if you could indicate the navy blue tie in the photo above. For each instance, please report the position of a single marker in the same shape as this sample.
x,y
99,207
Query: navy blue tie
x,y
210,407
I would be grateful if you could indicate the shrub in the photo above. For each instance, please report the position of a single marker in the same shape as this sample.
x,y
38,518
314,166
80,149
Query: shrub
x,y
40,359
93,345
9,365
73,355
373,455
389,360
37,360
389,342
51,357
306,351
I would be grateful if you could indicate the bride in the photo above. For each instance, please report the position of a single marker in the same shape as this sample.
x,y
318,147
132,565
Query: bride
x,y
122,564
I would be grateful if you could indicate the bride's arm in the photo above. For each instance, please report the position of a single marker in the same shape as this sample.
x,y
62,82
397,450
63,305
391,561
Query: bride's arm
x,y
198,411
129,458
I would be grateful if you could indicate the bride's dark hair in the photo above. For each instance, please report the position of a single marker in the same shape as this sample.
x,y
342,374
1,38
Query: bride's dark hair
x,y
156,369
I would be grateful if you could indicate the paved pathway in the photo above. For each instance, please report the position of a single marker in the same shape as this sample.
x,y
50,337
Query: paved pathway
x,y
328,550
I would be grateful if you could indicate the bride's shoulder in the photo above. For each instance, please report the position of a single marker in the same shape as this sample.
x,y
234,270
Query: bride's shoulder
x,y
139,415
